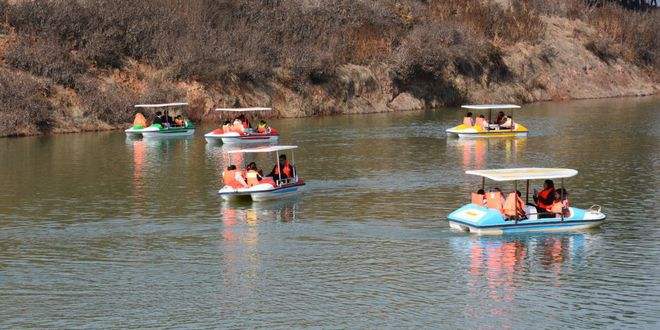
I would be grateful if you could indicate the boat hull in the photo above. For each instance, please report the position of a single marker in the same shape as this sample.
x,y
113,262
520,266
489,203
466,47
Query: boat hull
x,y
235,138
483,221
262,192
465,132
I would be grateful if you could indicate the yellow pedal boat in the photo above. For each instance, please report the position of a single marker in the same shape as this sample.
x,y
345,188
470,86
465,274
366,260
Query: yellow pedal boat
x,y
479,127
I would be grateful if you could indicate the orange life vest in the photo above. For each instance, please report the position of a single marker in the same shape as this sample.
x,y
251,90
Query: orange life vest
x,y
252,178
494,200
479,122
229,177
543,195
467,121
513,205
139,120
478,199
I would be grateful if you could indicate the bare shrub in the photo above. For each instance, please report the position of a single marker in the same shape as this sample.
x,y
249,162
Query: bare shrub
x,y
604,48
110,103
24,105
45,57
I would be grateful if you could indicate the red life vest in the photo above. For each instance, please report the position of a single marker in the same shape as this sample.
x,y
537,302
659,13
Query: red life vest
x,y
287,170
543,196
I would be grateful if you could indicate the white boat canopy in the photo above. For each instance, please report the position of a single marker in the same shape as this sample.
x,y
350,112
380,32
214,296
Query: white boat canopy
x,y
161,105
529,173
243,109
490,106
261,149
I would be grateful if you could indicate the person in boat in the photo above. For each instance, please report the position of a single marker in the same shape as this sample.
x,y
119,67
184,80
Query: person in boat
x,y
244,121
514,207
481,122
282,170
233,177
252,174
178,121
560,204
500,118
167,119
507,122
263,128
140,120
545,198
159,118
237,126
226,126
495,200
479,198
468,120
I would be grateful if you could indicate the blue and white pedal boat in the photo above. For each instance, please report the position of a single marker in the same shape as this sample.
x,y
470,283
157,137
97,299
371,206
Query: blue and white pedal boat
x,y
481,220
266,191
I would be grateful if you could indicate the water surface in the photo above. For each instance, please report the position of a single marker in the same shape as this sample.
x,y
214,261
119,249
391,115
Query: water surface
x,y
100,231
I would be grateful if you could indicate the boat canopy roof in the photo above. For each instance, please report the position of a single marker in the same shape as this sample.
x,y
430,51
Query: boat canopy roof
x,y
243,109
528,173
262,149
161,105
490,106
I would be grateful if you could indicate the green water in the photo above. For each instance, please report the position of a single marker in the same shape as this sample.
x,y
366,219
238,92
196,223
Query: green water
x,y
100,231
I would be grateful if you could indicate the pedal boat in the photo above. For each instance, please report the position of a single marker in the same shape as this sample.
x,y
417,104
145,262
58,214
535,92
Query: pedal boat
x,y
481,220
477,131
249,136
158,130
271,190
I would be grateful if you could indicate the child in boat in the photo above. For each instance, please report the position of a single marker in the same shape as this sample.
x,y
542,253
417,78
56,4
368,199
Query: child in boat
x,y
500,118
507,122
226,126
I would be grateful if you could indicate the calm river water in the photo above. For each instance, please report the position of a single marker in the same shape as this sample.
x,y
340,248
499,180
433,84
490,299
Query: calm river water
x,y
100,231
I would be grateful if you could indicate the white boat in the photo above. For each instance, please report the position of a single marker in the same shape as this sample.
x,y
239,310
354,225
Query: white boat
x,y
479,219
159,130
268,188
245,135
478,131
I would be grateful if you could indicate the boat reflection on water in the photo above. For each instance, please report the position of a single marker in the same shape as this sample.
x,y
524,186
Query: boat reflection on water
x,y
499,267
474,152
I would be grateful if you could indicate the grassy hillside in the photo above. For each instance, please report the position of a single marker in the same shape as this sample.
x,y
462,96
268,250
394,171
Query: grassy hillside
x,y
69,65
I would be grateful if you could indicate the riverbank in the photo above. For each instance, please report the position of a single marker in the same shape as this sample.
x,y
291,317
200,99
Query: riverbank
x,y
57,76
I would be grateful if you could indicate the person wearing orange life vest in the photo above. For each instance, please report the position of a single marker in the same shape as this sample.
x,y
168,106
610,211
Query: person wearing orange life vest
x,y
495,200
468,120
282,170
545,197
233,177
560,204
479,198
514,207
140,120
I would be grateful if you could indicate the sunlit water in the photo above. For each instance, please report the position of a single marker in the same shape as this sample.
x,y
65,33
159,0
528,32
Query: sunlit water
x,y
100,231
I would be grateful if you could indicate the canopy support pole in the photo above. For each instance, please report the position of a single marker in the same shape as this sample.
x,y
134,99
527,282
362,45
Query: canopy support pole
x,y
483,183
561,198
527,193
515,192
293,164
279,170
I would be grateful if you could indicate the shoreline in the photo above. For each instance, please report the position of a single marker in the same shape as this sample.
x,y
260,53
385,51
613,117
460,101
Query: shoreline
x,y
208,120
